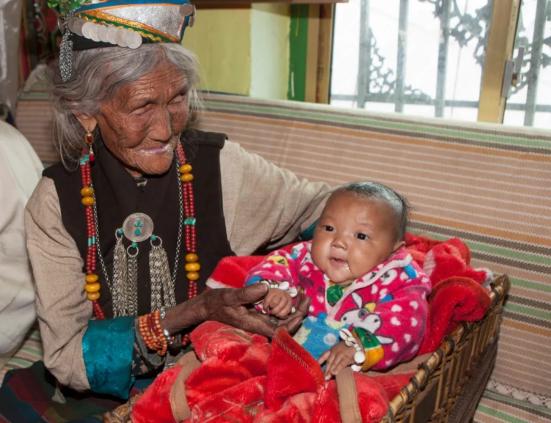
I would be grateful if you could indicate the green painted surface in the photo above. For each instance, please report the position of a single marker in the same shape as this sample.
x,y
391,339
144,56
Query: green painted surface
x,y
298,48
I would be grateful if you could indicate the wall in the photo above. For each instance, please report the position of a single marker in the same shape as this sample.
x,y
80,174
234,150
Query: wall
x,y
221,40
270,50
243,51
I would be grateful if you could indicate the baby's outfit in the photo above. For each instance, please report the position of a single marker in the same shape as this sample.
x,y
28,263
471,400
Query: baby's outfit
x,y
384,310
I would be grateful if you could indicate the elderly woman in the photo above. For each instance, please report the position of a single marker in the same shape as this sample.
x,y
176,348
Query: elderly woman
x,y
123,234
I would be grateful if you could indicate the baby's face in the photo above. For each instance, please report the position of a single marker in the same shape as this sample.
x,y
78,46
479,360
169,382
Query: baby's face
x,y
354,234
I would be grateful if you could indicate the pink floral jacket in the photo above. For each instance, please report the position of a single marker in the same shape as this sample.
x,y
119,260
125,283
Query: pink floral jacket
x,y
385,309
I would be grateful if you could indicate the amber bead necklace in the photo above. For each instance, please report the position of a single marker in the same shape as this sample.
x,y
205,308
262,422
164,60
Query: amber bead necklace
x,y
192,265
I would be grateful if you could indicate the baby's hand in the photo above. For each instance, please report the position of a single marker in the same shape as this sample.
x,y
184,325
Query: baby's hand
x,y
278,303
337,358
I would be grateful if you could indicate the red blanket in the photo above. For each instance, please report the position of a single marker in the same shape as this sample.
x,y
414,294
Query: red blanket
x,y
245,378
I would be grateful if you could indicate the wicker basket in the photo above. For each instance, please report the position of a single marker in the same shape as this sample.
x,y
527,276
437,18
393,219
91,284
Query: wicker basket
x,y
449,384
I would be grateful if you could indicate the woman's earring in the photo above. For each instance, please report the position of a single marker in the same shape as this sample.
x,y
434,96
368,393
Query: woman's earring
x,y
89,140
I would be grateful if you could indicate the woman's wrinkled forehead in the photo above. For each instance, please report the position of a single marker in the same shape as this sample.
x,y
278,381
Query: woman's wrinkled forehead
x,y
165,77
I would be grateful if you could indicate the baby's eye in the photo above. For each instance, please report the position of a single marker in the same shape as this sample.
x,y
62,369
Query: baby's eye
x,y
328,228
361,235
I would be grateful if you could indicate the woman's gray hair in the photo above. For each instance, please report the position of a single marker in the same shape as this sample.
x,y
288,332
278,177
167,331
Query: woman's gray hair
x,y
397,202
98,74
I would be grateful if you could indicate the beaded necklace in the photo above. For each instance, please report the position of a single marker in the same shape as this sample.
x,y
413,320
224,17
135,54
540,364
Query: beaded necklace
x,y
192,265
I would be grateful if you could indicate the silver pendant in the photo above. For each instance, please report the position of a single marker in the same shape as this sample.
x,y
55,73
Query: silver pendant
x,y
137,227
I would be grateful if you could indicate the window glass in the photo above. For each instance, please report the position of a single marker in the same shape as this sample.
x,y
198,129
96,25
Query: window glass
x,y
420,57
529,102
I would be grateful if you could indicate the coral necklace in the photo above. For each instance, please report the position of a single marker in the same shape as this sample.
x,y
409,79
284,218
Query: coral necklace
x,y
192,266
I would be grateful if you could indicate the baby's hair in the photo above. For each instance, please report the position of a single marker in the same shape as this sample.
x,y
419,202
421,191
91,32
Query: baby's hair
x,y
381,192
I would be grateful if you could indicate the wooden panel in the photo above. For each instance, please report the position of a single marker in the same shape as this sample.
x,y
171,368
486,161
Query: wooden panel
x,y
499,49
325,49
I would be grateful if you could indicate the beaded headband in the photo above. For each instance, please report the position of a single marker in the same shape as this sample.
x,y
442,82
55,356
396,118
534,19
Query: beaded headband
x,y
125,23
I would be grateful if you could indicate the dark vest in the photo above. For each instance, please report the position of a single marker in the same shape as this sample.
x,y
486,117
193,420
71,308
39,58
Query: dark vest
x,y
118,195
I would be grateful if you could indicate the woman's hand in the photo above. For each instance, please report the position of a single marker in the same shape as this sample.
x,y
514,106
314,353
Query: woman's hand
x,y
230,306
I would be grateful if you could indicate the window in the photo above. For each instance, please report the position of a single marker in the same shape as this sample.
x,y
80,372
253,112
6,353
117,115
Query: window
x,y
427,57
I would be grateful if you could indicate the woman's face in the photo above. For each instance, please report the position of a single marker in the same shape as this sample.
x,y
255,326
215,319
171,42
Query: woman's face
x,y
141,124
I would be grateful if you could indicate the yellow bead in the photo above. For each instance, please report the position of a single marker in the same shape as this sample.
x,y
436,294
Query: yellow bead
x,y
93,296
92,287
192,267
186,177
192,276
191,257
87,191
87,201
185,168
91,278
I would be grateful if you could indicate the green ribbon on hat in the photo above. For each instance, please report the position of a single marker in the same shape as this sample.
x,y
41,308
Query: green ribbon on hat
x,y
64,7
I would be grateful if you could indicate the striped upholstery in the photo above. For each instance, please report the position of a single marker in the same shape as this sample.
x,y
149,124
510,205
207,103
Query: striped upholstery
x,y
30,351
488,185
34,119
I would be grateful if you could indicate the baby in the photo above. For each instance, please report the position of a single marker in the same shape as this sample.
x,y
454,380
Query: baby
x,y
364,286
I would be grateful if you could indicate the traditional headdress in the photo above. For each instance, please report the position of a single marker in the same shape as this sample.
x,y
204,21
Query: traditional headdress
x,y
125,23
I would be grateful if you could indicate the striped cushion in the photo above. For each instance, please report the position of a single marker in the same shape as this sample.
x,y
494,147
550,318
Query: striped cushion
x,y
489,185
34,119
